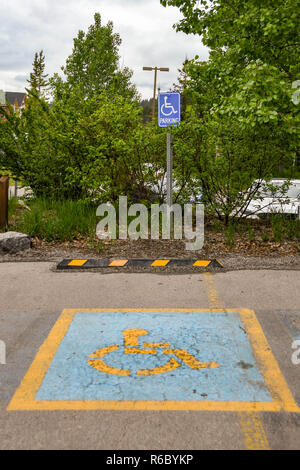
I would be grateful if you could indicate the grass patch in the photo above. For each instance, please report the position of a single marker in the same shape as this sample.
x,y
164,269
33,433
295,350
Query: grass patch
x,y
53,220
251,234
285,227
65,221
12,206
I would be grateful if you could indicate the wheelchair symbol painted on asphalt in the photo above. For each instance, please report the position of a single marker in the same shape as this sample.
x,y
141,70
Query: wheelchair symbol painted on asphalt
x,y
155,359
131,346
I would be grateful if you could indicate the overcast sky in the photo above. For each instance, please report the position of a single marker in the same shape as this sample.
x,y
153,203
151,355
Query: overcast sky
x,y
27,26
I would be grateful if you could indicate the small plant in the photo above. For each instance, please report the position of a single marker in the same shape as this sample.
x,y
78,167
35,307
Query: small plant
x,y
12,206
97,245
242,229
230,235
278,227
297,230
251,234
292,228
265,237
217,226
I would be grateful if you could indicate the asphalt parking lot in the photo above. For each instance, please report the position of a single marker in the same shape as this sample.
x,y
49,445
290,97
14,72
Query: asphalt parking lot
x,y
227,338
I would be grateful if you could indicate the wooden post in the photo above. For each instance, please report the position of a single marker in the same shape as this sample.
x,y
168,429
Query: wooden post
x,y
4,186
154,94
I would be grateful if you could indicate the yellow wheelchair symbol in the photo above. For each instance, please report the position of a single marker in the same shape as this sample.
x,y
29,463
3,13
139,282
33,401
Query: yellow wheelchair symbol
x,y
131,346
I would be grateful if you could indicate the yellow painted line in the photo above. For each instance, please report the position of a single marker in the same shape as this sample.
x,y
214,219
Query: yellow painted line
x,y
118,262
251,425
229,406
160,262
267,363
77,262
214,301
24,397
253,431
202,264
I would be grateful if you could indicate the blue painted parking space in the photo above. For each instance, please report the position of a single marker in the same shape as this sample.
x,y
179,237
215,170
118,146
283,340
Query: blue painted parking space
x,y
155,359
214,338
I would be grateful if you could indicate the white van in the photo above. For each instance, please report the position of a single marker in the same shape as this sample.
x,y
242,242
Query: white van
x,y
285,200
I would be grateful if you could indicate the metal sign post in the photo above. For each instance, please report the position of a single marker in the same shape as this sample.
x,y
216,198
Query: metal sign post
x,y
169,179
169,169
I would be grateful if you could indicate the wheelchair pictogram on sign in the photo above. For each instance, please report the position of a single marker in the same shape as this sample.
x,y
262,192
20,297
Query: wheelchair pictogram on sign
x,y
131,346
167,108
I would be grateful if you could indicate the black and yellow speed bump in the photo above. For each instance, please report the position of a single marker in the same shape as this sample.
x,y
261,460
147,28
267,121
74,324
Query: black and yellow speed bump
x,y
69,264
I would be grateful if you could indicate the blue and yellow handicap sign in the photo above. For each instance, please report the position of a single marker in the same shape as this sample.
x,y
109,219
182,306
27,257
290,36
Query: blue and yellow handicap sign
x,y
155,359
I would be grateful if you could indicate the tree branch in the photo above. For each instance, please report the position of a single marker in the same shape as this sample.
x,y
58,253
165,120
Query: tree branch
x,y
232,7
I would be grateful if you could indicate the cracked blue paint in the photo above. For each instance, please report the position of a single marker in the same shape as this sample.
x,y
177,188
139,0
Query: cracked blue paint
x,y
209,336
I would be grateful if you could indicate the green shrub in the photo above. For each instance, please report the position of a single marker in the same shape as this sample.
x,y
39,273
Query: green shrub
x,y
81,148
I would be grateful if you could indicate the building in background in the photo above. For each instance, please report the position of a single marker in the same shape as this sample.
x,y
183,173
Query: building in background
x,y
16,99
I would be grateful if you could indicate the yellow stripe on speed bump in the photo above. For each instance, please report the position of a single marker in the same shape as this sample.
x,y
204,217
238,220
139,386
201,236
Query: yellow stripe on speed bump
x,y
202,263
118,262
160,262
77,262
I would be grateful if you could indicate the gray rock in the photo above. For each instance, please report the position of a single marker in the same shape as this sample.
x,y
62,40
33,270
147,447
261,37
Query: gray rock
x,y
13,242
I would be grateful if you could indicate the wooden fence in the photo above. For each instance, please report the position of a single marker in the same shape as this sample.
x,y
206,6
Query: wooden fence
x,y
4,185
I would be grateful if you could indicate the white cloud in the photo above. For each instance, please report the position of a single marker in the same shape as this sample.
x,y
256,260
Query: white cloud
x,y
27,26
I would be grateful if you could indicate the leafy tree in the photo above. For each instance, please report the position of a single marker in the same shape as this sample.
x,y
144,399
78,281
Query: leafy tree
x,y
250,42
94,63
88,144
249,126
223,159
95,149
38,77
146,104
182,87
247,31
